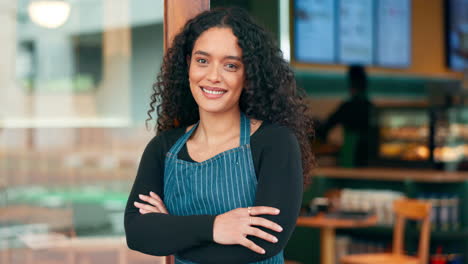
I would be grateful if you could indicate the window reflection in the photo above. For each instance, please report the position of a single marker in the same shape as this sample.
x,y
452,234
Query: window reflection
x,y
72,109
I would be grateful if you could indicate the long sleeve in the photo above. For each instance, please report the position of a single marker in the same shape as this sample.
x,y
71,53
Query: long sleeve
x,y
155,233
280,186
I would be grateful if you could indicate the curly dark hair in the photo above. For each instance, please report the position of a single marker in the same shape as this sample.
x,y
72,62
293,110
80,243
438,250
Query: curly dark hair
x,y
269,93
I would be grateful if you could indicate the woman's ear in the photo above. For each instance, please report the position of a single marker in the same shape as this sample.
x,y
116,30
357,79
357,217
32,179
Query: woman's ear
x,y
188,60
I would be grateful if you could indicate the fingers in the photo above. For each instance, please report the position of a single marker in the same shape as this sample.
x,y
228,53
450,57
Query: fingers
x,y
161,203
262,234
155,201
152,201
262,210
259,221
252,246
146,207
143,211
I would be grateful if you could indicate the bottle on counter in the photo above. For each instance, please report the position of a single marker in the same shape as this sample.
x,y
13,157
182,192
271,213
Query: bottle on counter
x,y
435,210
454,213
444,213
438,258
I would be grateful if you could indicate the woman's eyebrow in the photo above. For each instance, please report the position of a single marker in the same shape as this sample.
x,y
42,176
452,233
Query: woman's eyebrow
x,y
233,58
208,55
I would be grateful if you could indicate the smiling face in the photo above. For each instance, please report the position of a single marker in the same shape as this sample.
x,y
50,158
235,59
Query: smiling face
x,y
216,73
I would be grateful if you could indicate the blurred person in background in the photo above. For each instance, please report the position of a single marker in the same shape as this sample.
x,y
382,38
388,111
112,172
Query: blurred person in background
x,y
354,115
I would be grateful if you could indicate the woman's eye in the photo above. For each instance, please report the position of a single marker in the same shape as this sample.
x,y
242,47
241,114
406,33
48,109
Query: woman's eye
x,y
203,61
231,66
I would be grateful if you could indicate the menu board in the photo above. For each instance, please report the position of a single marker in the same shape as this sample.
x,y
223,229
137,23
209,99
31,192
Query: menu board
x,y
457,33
393,33
367,32
314,30
355,35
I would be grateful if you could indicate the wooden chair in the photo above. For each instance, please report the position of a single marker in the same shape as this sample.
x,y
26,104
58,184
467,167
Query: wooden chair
x,y
404,209
169,259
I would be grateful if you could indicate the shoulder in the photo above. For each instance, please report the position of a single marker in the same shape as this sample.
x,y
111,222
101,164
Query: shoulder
x,y
274,136
348,103
163,141
275,146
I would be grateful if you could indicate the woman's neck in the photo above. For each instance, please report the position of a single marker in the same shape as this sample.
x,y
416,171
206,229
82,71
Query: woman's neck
x,y
215,128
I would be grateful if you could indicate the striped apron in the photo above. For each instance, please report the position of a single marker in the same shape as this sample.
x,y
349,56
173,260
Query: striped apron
x,y
222,183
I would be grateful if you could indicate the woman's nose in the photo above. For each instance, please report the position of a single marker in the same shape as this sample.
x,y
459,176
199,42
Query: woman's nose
x,y
213,74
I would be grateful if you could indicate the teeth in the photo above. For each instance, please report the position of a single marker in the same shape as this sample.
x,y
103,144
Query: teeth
x,y
212,92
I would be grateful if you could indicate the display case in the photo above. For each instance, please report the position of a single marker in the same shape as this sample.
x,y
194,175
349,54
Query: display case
x,y
451,138
422,137
403,136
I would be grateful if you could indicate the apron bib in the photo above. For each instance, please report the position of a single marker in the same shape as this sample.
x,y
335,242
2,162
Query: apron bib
x,y
217,185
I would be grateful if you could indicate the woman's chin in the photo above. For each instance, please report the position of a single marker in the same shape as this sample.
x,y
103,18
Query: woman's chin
x,y
212,110
215,109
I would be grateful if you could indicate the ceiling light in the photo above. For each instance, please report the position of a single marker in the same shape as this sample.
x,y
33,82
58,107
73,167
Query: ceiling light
x,y
49,13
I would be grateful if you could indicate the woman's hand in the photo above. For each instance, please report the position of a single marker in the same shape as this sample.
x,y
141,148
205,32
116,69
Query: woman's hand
x,y
233,227
157,205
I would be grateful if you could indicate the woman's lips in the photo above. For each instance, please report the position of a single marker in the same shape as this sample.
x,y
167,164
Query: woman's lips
x,y
212,92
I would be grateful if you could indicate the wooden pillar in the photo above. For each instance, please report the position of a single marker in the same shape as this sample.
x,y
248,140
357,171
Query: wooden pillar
x,y
177,12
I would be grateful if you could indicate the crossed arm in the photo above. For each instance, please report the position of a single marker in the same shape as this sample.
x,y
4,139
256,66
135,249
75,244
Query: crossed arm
x,y
227,238
230,228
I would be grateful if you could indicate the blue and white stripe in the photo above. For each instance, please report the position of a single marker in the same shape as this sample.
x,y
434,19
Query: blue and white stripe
x,y
222,183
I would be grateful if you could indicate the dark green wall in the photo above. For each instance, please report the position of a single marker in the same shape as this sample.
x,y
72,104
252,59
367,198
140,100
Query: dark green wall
x,y
335,84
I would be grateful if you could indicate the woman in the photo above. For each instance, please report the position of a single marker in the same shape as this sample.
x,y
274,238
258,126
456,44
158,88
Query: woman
x,y
222,181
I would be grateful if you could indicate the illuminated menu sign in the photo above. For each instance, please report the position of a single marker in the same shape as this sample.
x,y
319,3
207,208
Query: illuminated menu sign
x,y
457,34
356,32
368,32
314,30
393,34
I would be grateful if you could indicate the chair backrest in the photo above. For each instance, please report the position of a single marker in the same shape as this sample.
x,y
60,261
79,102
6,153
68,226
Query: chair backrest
x,y
169,259
415,210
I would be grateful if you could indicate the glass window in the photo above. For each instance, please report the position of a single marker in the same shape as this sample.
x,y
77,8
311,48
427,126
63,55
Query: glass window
x,y
75,83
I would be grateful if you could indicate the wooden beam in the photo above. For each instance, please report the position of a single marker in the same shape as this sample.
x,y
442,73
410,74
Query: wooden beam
x,y
177,12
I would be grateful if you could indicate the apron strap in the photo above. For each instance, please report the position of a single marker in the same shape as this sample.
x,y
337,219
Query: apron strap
x,y
181,141
244,135
245,130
